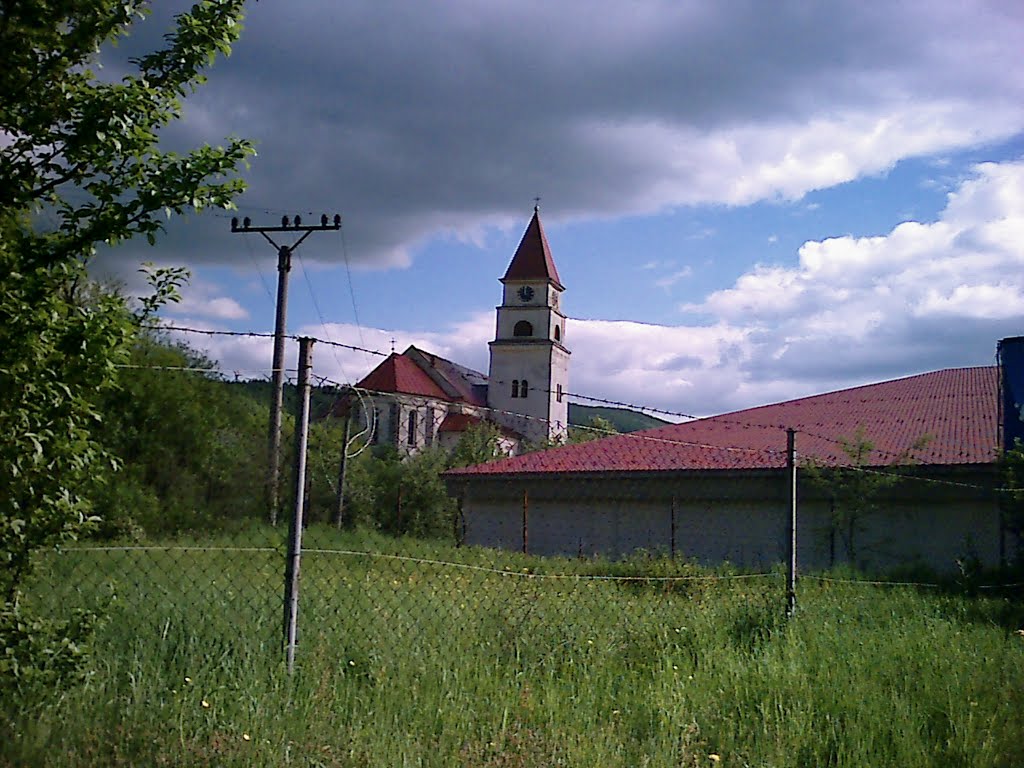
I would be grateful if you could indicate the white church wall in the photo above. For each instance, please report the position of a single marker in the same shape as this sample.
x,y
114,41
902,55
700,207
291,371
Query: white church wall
x,y
394,412
511,365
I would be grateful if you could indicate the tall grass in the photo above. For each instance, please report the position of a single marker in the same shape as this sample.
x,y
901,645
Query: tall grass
x,y
485,659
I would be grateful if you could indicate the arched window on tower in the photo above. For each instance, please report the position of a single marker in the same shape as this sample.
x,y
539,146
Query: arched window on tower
x,y
558,333
523,328
523,388
515,387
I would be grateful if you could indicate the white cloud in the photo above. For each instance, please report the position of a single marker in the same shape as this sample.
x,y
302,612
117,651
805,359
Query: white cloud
x,y
761,159
667,281
912,299
923,296
987,302
201,299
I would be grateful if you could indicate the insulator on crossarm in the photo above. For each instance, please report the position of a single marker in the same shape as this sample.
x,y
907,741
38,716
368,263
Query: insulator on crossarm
x,y
337,219
234,223
298,221
284,221
323,219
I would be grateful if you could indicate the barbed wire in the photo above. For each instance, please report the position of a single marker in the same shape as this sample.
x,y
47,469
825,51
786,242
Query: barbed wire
x,y
260,335
907,473
904,460
723,419
633,435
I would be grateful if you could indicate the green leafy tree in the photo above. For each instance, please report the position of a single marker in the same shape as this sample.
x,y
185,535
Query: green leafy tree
x,y
80,166
190,444
596,428
478,444
426,509
855,489
1012,467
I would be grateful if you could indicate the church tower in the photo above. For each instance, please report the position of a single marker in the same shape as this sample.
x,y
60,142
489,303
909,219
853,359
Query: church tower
x,y
529,369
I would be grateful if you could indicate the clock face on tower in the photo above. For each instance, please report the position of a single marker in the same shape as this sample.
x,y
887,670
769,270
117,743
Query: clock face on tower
x,y
525,293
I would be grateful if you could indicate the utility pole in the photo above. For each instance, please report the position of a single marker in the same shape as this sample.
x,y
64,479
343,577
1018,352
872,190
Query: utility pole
x,y
284,266
292,564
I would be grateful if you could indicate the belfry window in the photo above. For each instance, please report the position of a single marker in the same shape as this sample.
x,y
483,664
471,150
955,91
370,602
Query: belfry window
x,y
523,388
558,393
515,387
558,333
523,328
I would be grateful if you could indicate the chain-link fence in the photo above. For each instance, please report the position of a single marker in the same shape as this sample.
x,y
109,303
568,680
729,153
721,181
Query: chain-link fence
x,y
544,609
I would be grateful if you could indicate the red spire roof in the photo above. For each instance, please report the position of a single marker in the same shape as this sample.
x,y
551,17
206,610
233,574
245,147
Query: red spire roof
x,y
947,417
533,256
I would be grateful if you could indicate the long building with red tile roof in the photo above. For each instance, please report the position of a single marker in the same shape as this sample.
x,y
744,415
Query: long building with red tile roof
x,y
947,417
718,489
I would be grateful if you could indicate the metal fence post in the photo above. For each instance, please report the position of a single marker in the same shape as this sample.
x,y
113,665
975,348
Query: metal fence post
x,y
292,563
672,532
339,510
791,569
526,529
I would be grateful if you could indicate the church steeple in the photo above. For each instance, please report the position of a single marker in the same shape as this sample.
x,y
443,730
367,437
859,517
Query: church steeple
x,y
529,370
533,256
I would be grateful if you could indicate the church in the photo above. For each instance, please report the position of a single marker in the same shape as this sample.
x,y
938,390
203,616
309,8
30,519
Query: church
x,y
415,399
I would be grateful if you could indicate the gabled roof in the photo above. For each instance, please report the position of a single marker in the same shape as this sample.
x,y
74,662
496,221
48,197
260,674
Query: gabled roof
x,y
465,383
953,413
415,372
533,256
399,374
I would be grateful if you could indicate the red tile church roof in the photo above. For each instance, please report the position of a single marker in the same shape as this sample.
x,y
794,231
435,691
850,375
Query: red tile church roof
x,y
533,257
399,374
954,413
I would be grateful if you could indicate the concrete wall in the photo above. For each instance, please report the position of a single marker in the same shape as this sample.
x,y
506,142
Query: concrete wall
x,y
737,517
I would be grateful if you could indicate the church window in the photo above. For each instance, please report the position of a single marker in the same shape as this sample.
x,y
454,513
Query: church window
x,y
558,333
394,413
558,393
412,428
373,417
515,387
429,437
523,328
523,388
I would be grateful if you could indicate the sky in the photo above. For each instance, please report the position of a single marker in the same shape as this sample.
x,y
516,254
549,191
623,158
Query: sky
x,y
746,202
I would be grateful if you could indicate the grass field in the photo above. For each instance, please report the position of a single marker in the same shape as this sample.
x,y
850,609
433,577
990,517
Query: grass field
x,y
418,654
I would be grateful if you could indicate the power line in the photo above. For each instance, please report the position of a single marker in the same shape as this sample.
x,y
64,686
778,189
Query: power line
x,y
259,335
901,457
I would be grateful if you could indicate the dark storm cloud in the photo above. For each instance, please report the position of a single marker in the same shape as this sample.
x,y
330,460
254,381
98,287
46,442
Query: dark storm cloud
x,y
414,118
